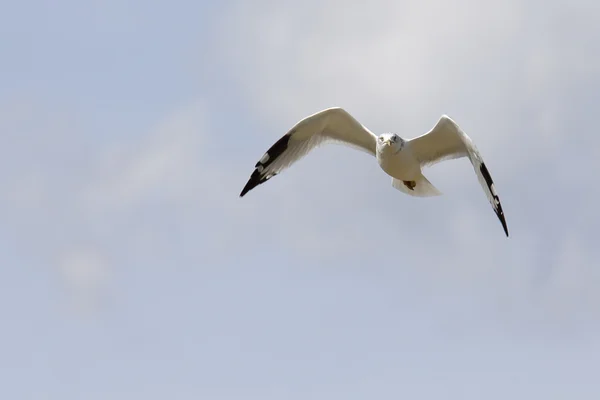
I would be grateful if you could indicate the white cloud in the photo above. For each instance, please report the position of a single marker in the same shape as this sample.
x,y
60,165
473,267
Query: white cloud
x,y
397,66
86,276
161,164
117,198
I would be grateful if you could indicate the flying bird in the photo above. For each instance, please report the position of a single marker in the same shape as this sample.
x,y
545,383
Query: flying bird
x,y
402,159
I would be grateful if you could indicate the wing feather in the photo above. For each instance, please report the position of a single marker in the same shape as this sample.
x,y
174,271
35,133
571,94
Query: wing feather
x,y
332,125
447,141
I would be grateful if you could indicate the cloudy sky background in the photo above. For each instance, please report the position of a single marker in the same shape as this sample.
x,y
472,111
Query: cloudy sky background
x,y
129,267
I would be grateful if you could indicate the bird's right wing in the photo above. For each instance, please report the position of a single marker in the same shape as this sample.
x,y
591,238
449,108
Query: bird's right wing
x,y
329,125
447,141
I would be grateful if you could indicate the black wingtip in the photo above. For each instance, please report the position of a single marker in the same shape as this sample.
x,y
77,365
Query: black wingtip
x,y
497,206
253,182
500,215
267,159
246,189
255,179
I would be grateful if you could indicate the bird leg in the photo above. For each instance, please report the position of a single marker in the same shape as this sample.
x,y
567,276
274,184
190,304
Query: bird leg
x,y
410,184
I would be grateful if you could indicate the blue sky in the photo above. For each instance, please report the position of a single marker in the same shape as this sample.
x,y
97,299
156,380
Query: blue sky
x,y
129,267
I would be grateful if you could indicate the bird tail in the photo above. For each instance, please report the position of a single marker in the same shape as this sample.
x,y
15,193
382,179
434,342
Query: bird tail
x,y
418,188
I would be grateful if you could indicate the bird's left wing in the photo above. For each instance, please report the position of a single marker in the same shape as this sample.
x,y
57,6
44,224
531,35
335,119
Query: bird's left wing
x,y
329,125
447,141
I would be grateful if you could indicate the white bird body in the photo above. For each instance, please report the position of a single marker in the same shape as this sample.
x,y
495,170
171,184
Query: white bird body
x,y
399,164
405,170
399,158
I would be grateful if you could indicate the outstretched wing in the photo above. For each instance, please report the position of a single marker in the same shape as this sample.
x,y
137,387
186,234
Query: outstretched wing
x,y
447,141
329,125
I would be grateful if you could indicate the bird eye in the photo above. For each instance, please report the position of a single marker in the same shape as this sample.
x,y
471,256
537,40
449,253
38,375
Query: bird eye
x,y
381,138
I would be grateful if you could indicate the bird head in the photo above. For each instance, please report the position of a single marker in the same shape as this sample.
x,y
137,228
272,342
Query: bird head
x,y
390,141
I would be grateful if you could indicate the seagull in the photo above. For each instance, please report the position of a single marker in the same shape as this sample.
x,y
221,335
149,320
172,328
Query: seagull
x,y
402,159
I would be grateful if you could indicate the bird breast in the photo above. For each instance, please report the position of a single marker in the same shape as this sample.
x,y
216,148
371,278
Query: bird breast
x,y
401,165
